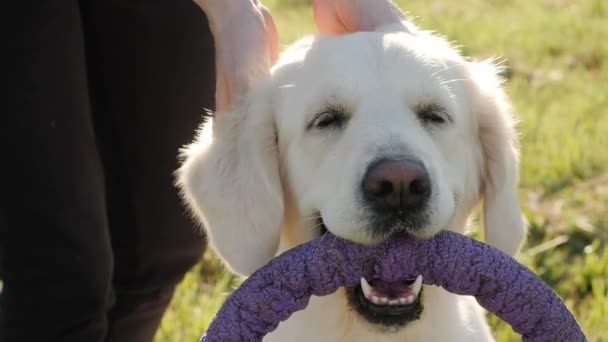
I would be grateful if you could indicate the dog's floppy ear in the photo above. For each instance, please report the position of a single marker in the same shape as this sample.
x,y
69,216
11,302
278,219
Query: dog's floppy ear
x,y
230,180
505,227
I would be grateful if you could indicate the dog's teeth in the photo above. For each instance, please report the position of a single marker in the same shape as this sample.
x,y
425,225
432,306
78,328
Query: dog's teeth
x,y
367,288
368,292
417,285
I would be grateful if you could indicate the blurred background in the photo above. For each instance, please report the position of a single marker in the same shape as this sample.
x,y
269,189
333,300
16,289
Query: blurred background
x,y
556,52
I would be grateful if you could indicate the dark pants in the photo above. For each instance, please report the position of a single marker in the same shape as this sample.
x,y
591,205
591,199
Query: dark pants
x,y
98,96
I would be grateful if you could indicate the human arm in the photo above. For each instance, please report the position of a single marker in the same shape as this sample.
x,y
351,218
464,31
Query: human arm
x,y
246,45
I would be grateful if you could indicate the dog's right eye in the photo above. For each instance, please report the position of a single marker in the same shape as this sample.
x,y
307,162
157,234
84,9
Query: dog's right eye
x,y
328,119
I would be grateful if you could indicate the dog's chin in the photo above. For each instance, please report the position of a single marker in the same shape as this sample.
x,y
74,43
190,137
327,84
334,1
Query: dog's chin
x,y
388,305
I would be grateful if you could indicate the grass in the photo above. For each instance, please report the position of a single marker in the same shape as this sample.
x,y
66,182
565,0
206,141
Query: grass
x,y
557,53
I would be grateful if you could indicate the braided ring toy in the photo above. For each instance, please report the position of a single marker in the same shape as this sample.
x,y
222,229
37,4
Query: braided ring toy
x,y
455,262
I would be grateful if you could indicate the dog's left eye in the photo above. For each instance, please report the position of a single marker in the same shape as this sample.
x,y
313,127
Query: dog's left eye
x,y
432,114
328,119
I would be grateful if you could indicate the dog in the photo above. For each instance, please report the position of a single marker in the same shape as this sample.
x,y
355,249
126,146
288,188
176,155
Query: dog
x,y
364,135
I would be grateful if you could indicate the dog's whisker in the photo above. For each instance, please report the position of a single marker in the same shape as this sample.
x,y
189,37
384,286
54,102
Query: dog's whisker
x,y
444,69
455,80
311,218
318,244
314,222
316,226
333,242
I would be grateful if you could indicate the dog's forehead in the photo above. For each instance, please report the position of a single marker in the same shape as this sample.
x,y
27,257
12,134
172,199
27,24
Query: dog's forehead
x,y
362,56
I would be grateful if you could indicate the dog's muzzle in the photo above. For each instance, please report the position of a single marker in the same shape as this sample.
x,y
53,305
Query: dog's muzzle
x,y
397,192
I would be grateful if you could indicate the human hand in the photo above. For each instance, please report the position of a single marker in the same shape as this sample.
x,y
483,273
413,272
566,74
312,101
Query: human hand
x,y
246,45
347,16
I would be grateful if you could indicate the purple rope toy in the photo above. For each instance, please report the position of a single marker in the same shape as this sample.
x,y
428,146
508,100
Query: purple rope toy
x,y
455,262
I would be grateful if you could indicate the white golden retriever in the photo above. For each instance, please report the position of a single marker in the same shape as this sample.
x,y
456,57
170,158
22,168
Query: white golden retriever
x,y
364,135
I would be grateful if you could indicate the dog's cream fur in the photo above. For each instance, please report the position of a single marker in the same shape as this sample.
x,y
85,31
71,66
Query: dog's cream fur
x,y
255,176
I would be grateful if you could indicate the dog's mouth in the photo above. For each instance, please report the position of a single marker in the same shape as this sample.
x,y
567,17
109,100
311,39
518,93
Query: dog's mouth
x,y
391,304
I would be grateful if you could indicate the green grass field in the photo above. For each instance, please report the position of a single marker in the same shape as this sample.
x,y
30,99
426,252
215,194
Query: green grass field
x,y
557,53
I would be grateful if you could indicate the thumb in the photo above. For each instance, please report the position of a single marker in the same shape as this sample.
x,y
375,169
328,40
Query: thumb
x,y
348,16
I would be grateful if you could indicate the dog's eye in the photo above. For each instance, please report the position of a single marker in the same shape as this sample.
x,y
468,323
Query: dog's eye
x,y
328,119
432,114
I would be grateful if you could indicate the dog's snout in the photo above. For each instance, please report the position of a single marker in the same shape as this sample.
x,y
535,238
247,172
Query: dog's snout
x,y
397,185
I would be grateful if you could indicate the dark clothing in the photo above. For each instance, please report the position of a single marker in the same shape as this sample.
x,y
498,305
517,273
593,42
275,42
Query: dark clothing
x,y
99,97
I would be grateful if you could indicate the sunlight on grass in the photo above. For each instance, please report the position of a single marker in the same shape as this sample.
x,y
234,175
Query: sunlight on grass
x,y
557,57
196,300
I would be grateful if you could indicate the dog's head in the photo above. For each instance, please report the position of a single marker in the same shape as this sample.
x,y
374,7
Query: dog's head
x,y
367,135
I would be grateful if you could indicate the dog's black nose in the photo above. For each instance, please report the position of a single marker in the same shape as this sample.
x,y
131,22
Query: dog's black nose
x,y
397,185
